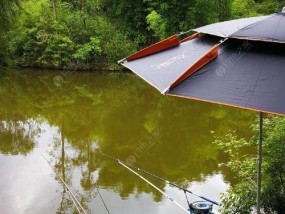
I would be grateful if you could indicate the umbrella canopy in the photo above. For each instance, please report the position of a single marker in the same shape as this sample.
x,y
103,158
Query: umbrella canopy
x,y
164,68
264,28
238,63
246,71
246,75
227,28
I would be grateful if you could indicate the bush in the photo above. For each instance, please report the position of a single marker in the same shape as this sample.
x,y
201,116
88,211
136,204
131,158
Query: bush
x,y
241,197
72,40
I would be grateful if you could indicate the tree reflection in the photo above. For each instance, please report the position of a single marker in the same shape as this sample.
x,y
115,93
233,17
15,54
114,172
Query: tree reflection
x,y
64,166
17,137
122,116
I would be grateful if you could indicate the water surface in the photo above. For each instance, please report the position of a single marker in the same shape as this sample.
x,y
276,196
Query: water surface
x,y
69,118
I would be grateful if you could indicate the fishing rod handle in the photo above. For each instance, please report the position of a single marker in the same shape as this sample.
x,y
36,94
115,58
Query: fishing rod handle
x,y
209,200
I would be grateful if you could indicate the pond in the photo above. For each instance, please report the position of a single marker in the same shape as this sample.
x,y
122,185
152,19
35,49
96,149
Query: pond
x,y
55,125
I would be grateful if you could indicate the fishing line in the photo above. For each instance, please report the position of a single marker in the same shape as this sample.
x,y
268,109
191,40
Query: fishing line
x,y
102,200
187,199
70,192
164,180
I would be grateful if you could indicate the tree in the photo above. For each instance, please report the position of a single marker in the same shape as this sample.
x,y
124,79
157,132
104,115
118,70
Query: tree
x,y
7,11
16,138
58,33
7,14
53,2
224,9
240,198
243,8
78,38
129,16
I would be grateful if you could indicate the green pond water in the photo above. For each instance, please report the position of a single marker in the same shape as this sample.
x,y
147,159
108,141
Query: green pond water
x,y
69,118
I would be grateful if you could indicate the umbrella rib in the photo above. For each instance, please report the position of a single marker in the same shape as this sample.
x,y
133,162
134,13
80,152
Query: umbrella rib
x,y
277,27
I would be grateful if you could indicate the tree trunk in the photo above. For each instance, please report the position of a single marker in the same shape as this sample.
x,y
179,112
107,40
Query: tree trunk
x,y
224,9
54,8
81,5
82,10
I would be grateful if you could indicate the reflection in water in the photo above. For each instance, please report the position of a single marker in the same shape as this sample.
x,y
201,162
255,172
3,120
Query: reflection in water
x,y
17,137
118,114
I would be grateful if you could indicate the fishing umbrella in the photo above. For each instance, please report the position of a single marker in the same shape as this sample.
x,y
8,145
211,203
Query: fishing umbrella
x,y
238,63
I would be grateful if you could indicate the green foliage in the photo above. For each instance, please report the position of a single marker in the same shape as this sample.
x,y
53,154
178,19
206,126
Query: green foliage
x,y
57,51
240,198
269,6
204,12
174,23
188,15
224,9
156,24
243,8
95,34
72,40
128,15
274,166
90,48
8,10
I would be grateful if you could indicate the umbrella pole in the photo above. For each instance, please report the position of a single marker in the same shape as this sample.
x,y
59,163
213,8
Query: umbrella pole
x,y
259,162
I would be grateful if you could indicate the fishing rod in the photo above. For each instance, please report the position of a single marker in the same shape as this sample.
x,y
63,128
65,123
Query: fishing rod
x,y
147,181
74,202
72,196
143,178
164,180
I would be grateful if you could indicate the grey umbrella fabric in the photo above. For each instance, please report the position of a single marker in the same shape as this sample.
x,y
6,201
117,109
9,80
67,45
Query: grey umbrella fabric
x,y
248,72
227,28
271,29
249,75
162,69
264,28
